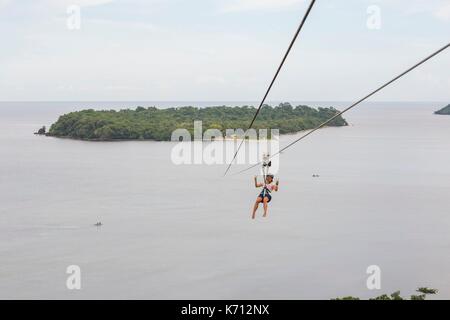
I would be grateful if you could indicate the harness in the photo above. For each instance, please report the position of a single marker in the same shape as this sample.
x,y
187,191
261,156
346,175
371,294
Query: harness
x,y
265,170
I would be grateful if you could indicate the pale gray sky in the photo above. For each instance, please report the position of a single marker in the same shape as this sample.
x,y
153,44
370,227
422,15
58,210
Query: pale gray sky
x,y
221,50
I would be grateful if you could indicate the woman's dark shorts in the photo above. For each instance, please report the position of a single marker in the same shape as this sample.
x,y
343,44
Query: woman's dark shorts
x,y
262,195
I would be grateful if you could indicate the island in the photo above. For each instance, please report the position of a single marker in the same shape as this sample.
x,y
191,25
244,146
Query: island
x,y
152,123
445,110
41,131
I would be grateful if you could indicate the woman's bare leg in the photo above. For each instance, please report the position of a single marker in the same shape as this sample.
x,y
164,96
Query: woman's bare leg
x,y
266,206
255,207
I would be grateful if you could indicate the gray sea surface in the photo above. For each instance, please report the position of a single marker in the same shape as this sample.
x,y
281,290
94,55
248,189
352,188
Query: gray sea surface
x,y
184,232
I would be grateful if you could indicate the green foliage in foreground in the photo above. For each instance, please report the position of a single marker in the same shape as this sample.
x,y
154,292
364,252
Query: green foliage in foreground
x,y
424,291
445,110
158,124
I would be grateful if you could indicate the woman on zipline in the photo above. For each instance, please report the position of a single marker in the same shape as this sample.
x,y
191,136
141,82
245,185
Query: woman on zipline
x,y
264,196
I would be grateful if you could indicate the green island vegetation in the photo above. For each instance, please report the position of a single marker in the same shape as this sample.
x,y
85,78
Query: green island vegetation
x,y
158,124
445,110
41,131
423,292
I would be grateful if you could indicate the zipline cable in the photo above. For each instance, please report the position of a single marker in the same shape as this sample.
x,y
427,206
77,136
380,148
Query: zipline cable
x,y
273,80
352,106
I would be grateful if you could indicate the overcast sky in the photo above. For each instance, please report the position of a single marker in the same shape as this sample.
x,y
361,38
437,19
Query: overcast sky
x,y
212,50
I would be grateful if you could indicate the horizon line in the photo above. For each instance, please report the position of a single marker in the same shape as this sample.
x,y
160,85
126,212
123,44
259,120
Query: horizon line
x,y
270,101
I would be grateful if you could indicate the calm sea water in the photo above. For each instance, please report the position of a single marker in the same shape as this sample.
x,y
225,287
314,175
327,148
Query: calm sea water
x,y
184,231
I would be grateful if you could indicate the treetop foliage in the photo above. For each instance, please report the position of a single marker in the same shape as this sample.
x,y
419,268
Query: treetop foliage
x,y
424,291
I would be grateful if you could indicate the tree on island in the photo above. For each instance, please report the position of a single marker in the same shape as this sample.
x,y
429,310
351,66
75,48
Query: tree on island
x,y
41,131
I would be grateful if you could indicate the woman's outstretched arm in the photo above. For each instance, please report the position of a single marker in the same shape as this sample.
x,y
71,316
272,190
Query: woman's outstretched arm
x,y
277,185
257,185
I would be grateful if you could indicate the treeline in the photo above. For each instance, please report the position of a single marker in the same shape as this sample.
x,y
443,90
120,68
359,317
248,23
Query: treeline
x,y
158,124
423,293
